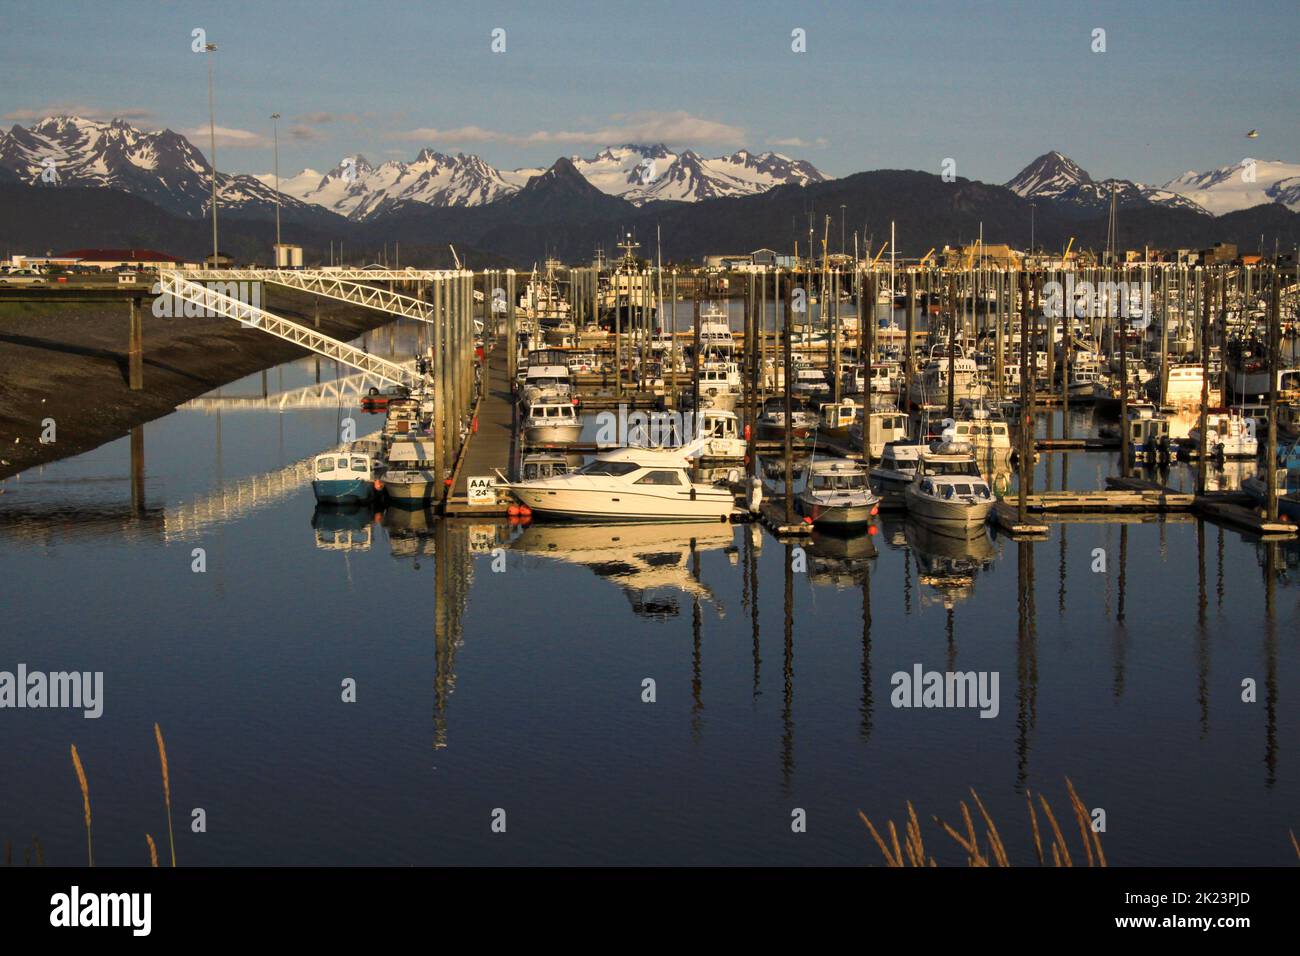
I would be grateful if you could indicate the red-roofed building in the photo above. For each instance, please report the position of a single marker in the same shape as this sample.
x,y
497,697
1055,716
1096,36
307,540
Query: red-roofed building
x,y
122,258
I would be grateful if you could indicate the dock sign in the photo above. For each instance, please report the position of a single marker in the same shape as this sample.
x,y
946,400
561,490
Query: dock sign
x,y
482,490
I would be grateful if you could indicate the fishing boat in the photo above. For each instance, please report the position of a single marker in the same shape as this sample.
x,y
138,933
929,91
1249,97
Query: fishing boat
x,y
411,475
836,419
811,383
836,493
948,489
719,430
628,484
552,421
1228,434
931,384
885,425
772,419
720,385
1148,433
980,431
344,477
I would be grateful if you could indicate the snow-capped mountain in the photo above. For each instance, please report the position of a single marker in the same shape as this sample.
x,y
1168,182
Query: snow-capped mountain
x,y
1055,177
1241,185
359,190
1048,177
161,166
642,173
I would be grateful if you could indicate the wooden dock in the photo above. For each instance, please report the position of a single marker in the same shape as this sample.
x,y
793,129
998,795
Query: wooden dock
x,y
772,514
491,446
1242,518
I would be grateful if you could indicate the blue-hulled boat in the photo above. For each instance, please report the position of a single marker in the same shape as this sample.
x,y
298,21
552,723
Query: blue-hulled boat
x,y
344,477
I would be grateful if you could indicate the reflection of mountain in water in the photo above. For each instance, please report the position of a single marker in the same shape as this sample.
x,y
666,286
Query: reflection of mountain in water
x,y
651,563
949,563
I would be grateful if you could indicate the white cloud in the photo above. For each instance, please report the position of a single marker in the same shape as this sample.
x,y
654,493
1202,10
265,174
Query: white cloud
x,y
799,142
228,137
675,128
78,109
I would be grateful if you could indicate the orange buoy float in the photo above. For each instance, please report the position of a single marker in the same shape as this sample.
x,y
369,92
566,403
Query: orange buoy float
x,y
379,485
525,511
872,530
513,511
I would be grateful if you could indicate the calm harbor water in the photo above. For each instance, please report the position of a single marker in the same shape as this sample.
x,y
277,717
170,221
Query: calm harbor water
x,y
521,689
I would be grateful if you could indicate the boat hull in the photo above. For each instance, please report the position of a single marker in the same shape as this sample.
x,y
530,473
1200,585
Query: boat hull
x,y
345,491
601,505
836,516
552,434
956,514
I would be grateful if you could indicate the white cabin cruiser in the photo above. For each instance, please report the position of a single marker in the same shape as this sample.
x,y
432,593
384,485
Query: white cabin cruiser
x,y
547,382
897,468
552,421
837,494
411,477
719,431
629,484
948,490
931,385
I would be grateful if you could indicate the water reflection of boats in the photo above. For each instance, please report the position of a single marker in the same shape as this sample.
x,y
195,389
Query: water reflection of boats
x,y
650,563
839,558
948,562
410,531
342,527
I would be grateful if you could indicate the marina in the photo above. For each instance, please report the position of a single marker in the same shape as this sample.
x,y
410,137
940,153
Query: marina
x,y
636,441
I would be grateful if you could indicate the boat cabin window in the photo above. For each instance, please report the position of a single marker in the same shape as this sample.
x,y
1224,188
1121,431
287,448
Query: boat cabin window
x,y
325,464
616,469
660,478
358,464
343,463
962,489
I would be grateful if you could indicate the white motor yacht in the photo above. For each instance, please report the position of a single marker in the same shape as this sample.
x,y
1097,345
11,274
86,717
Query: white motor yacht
x,y
948,490
629,484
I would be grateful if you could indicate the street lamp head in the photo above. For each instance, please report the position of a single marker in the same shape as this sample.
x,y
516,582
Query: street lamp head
x,y
275,116
210,48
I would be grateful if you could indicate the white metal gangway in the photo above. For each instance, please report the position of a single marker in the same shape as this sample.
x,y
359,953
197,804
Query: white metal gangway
x,y
217,302
320,395
330,286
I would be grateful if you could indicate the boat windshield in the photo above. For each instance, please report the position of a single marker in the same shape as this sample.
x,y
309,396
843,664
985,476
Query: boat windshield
x,y
615,468
966,467
837,482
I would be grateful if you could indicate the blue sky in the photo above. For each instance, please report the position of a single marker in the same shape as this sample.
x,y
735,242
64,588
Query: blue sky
x,y
897,85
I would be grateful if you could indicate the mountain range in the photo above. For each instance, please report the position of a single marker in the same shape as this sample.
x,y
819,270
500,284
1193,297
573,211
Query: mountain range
x,y
120,186
360,190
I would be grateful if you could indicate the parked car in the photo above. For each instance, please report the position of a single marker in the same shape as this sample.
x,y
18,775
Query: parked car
x,y
22,277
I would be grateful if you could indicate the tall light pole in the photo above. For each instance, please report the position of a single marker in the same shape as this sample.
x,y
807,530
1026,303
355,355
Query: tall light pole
x,y
275,126
842,250
211,48
1032,208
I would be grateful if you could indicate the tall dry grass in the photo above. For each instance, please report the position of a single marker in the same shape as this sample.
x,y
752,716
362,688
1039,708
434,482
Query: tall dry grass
x,y
988,849
153,851
85,797
167,789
